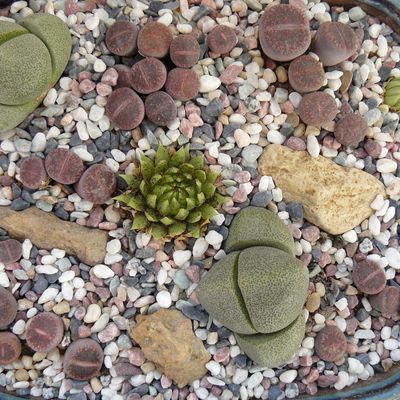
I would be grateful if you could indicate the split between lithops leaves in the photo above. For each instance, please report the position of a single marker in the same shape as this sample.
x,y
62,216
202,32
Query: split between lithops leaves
x,y
33,55
173,195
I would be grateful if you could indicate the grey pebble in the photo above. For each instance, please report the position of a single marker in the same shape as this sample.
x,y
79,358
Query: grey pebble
x,y
295,211
261,199
19,204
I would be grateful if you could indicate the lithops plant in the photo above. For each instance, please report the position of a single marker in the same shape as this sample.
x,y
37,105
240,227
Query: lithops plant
x,y
392,94
33,55
258,290
173,195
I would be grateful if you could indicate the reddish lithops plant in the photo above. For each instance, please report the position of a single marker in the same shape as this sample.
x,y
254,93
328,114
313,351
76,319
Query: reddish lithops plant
x,y
97,184
83,359
148,75
124,76
44,332
387,302
160,108
154,40
184,51
351,130
369,277
334,42
10,348
64,166
10,251
284,32
222,39
32,172
306,74
8,308
182,84
330,344
121,38
125,108
317,108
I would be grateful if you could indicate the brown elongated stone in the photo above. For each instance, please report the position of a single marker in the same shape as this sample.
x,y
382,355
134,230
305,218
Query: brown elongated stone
x,y
306,74
46,231
369,277
222,39
64,166
10,251
125,108
8,308
32,172
182,84
330,344
121,38
10,348
184,51
284,32
44,332
83,359
148,75
160,108
154,40
317,108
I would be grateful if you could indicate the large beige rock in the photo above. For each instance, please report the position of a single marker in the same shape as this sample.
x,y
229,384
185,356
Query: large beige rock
x,y
47,231
334,198
167,339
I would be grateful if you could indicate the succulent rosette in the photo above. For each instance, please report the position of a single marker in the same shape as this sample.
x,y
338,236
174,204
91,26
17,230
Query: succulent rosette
x,y
173,195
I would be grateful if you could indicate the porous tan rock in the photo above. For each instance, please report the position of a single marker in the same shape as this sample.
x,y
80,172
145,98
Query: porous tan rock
x,y
166,338
334,198
46,231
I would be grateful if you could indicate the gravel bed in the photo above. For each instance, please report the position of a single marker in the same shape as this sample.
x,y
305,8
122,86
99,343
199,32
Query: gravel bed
x,y
244,104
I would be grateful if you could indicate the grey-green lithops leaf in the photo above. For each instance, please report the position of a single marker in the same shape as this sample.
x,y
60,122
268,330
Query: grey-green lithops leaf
x,y
54,33
273,349
11,116
25,69
274,287
9,30
255,226
220,296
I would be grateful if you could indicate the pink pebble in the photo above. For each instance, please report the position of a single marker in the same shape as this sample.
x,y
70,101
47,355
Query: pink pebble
x,y
186,127
296,143
306,259
195,119
242,177
324,260
95,217
287,107
193,273
240,196
110,77
312,234
222,354
84,75
84,331
136,356
103,89
230,73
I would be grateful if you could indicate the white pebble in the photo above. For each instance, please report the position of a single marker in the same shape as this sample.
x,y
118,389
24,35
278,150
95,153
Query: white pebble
x,y
386,166
163,298
214,238
181,257
199,248
392,255
19,327
391,344
374,225
350,236
209,83
288,376
99,65
102,271
313,146
48,295
355,366
213,367
92,313
92,22
113,246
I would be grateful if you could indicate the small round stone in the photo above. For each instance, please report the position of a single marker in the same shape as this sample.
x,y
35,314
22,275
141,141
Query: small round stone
x,y
317,108
44,332
83,359
97,184
387,302
124,76
121,38
154,40
284,32
330,344
184,51
32,172
64,166
306,74
10,348
351,130
10,251
369,277
125,108
8,308
182,84
160,108
164,299
222,39
334,42
148,75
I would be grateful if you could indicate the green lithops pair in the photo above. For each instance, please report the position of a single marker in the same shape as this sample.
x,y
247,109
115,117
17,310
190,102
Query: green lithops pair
x,y
173,195
258,290
392,94
33,55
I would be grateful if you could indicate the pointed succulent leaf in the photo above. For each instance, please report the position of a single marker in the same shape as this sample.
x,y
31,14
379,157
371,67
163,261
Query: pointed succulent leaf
x,y
147,168
207,212
177,228
151,215
201,198
123,198
158,231
151,200
139,221
194,216
208,189
197,162
144,188
190,203
200,175
179,157
137,203
161,154
155,179
174,206
186,169
161,167
163,207
131,180
194,230
212,176
167,221
181,214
